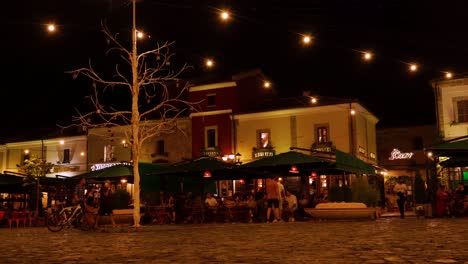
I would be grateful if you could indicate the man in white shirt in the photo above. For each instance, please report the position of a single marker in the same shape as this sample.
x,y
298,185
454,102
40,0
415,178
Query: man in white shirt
x,y
212,206
291,199
401,190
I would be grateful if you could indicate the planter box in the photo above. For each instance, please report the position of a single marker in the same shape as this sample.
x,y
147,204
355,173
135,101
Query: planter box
x,y
342,211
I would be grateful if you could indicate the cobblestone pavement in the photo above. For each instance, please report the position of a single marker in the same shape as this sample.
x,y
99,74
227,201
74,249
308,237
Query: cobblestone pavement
x,y
385,240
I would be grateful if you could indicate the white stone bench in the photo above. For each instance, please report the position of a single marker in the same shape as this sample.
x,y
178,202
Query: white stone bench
x,y
121,217
342,211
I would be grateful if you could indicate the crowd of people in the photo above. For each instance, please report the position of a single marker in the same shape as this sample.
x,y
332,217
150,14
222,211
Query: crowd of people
x,y
451,202
96,201
270,204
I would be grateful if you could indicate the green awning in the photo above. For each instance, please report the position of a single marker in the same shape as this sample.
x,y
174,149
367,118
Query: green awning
x,y
350,163
456,146
286,158
11,184
196,166
120,171
461,161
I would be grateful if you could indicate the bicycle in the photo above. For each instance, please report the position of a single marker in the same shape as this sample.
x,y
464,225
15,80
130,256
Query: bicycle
x,y
67,216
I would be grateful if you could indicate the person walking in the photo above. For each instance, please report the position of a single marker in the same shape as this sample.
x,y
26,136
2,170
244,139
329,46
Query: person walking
x,y
401,190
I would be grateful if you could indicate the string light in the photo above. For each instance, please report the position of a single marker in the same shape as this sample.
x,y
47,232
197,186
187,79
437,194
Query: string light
x,y
367,56
140,34
306,39
209,63
224,15
51,28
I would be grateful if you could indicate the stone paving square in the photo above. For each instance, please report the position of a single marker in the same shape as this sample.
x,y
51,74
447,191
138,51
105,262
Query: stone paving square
x,y
385,240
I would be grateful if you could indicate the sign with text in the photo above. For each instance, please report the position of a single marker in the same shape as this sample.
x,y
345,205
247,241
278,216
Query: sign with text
x,y
398,155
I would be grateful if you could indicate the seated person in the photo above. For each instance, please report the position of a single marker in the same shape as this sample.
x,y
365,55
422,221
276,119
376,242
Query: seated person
x,y
252,205
211,205
170,208
291,207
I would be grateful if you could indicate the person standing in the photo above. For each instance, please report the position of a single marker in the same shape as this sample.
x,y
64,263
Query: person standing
x,y
272,195
105,207
79,195
281,196
401,190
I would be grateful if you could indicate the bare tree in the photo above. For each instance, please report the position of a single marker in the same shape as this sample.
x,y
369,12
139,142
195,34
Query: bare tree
x,y
152,88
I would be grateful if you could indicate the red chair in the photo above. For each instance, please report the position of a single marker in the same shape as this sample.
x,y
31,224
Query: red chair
x,y
17,217
30,218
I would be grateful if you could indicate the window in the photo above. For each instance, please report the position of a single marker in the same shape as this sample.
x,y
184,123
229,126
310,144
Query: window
x,y
66,156
322,134
211,137
26,155
210,98
462,111
418,143
108,153
160,147
263,138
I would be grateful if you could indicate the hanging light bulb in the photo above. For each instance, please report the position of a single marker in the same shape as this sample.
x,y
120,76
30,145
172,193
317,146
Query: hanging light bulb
x,y
294,169
207,174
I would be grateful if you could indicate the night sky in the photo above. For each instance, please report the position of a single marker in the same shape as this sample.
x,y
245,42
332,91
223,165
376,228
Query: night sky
x,y
37,93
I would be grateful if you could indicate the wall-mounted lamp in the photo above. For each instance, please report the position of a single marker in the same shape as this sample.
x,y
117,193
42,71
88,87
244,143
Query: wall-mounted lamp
x,y
238,158
124,143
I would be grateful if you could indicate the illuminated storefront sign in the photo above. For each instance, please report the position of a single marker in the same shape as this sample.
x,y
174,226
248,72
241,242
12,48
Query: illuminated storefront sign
x,y
100,166
263,154
398,155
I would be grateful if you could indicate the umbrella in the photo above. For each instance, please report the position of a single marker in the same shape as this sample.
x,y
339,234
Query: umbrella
x,y
11,183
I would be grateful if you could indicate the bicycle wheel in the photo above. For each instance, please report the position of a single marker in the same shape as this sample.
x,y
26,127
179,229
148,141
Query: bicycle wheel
x,y
55,222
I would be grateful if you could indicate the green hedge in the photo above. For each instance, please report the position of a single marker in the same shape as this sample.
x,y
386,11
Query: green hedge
x,y
120,199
